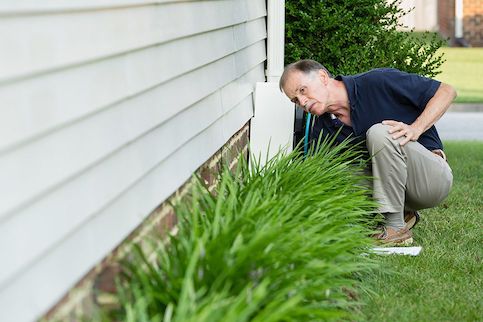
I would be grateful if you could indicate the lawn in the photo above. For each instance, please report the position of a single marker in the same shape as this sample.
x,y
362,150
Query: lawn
x,y
464,70
443,283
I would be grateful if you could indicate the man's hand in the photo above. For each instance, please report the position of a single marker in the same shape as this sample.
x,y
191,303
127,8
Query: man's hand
x,y
400,129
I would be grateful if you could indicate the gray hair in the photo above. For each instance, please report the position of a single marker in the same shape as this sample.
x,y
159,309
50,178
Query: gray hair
x,y
305,66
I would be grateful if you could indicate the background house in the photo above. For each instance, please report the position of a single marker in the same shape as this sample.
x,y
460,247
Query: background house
x,y
460,20
422,16
108,108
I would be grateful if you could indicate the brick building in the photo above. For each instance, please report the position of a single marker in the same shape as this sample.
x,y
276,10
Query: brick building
x,y
461,21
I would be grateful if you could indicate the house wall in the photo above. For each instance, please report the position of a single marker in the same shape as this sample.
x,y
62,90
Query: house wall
x,y
96,289
446,17
472,20
108,107
422,15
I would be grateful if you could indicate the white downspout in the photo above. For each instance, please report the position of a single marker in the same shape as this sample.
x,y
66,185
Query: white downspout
x,y
275,39
458,23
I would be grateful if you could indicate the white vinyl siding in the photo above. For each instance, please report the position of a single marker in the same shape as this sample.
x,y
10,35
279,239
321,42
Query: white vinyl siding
x,y
107,108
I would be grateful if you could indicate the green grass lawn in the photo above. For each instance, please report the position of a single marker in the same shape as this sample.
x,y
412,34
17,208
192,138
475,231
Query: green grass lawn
x,y
464,70
443,283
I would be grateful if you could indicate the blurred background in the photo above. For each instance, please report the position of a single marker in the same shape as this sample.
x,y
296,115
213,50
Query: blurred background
x,y
460,22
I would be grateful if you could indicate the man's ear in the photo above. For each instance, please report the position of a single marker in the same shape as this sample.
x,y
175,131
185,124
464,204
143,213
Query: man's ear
x,y
324,77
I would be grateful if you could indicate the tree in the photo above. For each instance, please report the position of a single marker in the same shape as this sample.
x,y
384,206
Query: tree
x,y
353,36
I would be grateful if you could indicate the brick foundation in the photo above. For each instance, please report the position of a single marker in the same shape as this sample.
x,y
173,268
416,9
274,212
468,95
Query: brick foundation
x,y
96,287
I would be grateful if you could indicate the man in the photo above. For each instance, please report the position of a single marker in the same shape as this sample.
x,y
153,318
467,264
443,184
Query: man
x,y
394,112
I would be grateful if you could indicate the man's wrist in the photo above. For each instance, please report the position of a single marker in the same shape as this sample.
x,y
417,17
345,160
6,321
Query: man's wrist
x,y
418,128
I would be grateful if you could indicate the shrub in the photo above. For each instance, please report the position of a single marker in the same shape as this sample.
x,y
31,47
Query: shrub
x,y
278,243
353,36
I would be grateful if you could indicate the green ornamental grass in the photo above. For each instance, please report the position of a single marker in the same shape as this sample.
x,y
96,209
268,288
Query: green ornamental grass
x,y
281,242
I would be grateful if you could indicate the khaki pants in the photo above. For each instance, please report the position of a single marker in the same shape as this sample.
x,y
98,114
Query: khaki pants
x,y
405,177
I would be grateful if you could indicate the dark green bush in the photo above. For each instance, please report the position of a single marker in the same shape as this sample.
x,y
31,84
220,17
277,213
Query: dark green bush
x,y
353,36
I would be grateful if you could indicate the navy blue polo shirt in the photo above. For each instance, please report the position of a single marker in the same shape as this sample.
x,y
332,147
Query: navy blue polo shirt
x,y
382,94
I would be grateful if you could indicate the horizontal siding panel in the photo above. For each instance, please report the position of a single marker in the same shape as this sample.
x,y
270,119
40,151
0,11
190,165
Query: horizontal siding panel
x,y
62,210
67,95
62,154
247,33
28,7
47,280
35,44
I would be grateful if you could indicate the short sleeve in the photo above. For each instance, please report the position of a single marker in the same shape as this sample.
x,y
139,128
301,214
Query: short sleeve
x,y
415,89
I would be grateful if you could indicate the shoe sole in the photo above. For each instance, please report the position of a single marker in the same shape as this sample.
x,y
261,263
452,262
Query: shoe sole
x,y
406,242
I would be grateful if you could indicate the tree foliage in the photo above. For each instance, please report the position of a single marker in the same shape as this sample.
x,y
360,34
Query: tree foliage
x,y
352,36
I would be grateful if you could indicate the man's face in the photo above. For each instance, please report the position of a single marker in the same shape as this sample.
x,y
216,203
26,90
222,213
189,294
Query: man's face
x,y
309,91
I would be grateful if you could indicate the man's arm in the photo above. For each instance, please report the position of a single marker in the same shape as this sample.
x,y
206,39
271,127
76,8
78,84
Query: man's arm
x,y
433,111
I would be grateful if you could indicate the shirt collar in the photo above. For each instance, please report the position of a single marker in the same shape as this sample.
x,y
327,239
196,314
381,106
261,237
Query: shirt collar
x,y
350,85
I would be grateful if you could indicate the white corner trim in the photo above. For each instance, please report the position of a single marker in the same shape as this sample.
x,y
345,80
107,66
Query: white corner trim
x,y
458,19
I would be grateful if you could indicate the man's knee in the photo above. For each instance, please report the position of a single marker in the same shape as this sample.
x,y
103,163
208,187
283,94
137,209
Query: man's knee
x,y
378,134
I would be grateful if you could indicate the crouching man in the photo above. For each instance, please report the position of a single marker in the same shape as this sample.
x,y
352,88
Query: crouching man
x,y
395,113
